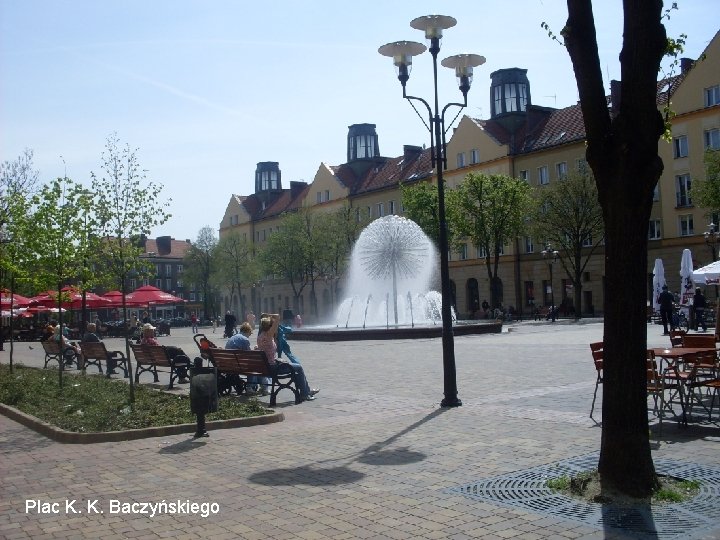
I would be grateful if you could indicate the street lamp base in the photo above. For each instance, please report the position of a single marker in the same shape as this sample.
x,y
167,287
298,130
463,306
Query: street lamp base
x,y
451,402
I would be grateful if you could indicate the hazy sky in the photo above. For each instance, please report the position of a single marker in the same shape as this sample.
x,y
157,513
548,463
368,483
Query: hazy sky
x,y
205,89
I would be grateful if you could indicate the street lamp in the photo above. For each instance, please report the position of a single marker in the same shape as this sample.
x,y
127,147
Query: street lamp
x,y
402,52
551,256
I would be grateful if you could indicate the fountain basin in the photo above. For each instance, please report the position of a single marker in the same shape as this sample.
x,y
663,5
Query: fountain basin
x,y
320,333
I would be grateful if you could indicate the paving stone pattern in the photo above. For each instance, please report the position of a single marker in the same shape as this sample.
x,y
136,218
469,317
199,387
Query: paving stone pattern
x,y
373,457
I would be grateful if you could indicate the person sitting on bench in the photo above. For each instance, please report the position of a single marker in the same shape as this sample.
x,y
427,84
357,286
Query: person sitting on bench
x,y
266,342
148,338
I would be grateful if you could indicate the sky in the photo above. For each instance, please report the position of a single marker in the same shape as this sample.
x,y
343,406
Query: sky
x,y
206,89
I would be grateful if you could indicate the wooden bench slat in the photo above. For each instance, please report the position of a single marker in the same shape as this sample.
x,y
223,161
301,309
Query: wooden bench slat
x,y
94,352
150,357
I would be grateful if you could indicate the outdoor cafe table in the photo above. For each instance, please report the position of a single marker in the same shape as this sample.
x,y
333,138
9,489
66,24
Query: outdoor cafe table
x,y
674,355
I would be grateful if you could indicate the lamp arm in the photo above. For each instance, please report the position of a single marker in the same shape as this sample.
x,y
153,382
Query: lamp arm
x,y
443,130
435,153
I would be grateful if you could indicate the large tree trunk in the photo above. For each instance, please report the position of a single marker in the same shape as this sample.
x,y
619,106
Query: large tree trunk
x,y
623,153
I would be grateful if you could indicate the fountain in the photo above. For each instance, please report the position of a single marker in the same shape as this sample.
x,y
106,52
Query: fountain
x,y
388,293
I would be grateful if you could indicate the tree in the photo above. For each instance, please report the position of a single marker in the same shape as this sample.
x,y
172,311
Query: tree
x,y
706,192
568,215
420,203
201,261
622,150
127,206
18,180
238,266
490,210
286,253
54,233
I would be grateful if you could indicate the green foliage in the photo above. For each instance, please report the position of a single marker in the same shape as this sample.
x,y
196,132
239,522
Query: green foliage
x,y
490,210
420,202
236,264
559,484
706,191
287,253
95,404
201,262
127,206
568,215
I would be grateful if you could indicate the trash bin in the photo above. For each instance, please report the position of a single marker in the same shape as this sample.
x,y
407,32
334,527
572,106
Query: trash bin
x,y
203,394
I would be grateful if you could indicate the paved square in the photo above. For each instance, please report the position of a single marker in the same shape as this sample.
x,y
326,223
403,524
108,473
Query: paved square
x,y
373,457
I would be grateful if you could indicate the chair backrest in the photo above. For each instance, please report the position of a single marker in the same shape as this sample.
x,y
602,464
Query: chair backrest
x,y
150,354
51,347
654,381
596,346
94,350
239,361
676,337
698,340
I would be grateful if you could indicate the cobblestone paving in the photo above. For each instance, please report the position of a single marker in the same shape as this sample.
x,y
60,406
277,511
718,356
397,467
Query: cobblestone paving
x,y
372,457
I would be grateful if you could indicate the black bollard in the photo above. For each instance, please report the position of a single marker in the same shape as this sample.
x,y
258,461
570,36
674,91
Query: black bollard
x,y
203,394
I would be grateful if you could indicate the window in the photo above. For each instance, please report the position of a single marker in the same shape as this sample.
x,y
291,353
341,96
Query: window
x,y
656,192
168,284
522,96
474,156
391,208
542,176
158,283
511,97
192,296
712,139
686,225
587,241
561,169
257,236
168,269
680,146
358,215
529,246
380,207
327,194
133,284
480,252
463,252
654,230
179,268
234,220
460,159
158,269
525,176
682,190
318,197
263,234
501,251
712,96
145,281
497,100
179,284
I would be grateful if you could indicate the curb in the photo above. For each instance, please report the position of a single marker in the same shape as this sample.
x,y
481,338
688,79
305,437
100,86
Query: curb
x,y
71,437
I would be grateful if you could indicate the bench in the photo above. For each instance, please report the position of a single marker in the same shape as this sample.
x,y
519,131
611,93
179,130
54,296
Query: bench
x,y
150,357
234,366
96,352
53,353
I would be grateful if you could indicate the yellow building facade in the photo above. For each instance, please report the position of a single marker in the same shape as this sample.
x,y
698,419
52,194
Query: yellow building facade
x,y
538,144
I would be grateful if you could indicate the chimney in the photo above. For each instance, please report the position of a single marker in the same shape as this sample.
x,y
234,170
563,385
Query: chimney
x,y
686,65
411,153
296,188
164,245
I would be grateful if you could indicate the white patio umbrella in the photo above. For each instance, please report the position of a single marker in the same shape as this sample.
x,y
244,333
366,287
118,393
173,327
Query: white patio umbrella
x,y
687,287
658,282
709,275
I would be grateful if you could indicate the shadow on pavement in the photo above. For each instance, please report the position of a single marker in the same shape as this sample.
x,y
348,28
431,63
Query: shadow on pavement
x,y
376,454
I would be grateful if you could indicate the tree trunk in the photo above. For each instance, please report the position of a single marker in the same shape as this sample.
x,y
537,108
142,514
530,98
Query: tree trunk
x,y
623,153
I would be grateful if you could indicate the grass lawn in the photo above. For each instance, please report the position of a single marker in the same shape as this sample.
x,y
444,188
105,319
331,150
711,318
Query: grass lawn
x,y
92,403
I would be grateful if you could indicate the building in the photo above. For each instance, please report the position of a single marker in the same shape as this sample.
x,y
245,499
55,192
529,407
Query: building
x,y
520,139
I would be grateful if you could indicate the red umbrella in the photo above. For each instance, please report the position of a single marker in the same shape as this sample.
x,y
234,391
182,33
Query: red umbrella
x,y
148,294
17,300
115,298
72,299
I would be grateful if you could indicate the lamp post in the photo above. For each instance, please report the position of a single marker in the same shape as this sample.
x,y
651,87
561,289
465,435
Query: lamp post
x,y
402,52
551,256
712,239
